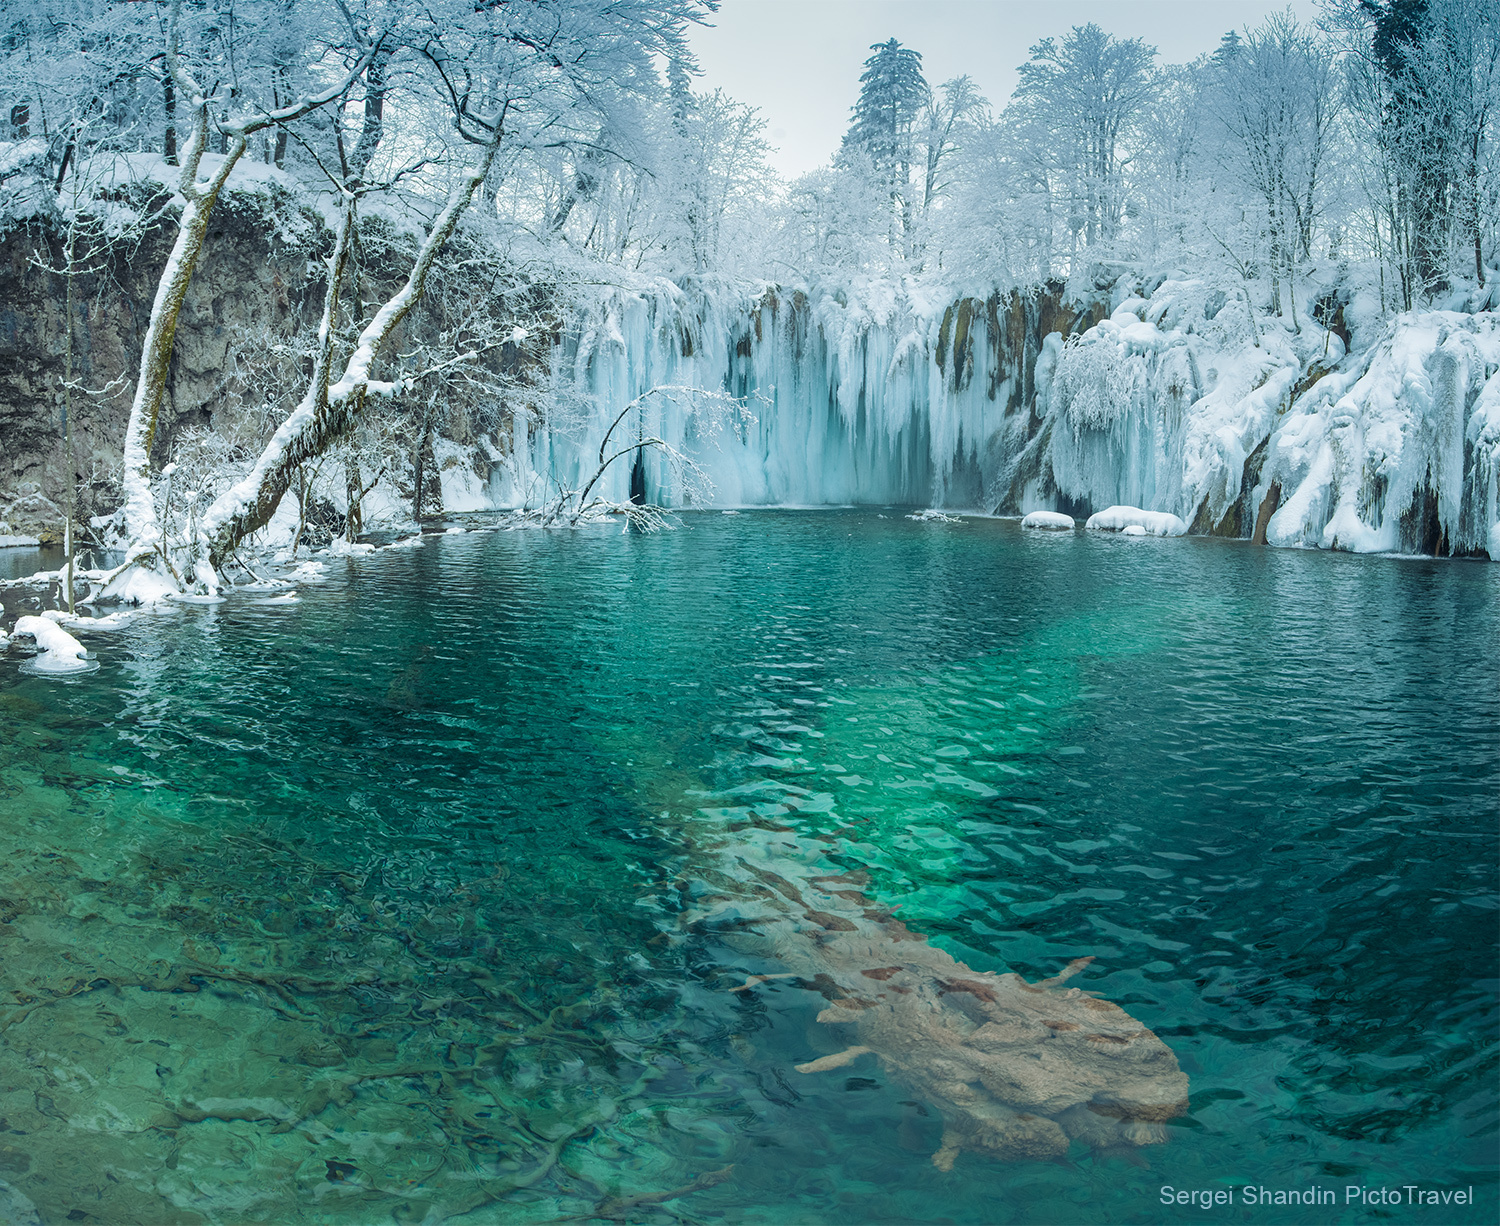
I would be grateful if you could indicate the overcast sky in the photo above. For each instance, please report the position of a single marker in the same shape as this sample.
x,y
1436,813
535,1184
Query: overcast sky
x,y
799,60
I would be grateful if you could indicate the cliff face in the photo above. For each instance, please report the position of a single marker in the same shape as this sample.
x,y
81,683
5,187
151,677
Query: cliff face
x,y
242,348
251,287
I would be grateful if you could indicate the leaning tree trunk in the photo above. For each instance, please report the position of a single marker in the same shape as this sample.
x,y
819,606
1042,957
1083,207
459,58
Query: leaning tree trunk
x,y
156,353
328,411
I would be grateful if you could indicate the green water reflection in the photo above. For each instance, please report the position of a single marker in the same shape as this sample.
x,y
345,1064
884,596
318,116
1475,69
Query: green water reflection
x,y
363,908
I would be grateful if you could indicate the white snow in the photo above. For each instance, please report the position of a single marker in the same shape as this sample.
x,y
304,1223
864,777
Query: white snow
x,y
340,548
139,585
1362,447
1048,521
59,651
933,516
1123,519
110,621
17,542
405,542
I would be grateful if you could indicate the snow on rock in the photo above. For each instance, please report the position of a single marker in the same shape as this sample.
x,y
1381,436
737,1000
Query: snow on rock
x,y
309,572
18,542
138,585
59,651
933,516
340,548
1372,459
463,488
1136,522
406,542
1048,521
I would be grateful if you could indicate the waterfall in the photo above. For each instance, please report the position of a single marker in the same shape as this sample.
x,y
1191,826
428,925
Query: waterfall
x,y
1182,400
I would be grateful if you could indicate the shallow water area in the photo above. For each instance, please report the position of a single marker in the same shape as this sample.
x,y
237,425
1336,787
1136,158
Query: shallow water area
x,y
373,905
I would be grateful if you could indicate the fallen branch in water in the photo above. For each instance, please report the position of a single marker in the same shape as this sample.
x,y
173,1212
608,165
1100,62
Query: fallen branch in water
x,y
616,1210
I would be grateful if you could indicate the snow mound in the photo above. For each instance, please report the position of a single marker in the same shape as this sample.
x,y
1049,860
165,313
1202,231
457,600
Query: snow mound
x,y
59,651
1132,530
139,585
405,542
110,621
934,516
264,585
1120,519
16,542
1048,521
309,572
340,548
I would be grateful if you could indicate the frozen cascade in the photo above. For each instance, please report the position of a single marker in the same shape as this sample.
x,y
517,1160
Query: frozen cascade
x,y
1182,401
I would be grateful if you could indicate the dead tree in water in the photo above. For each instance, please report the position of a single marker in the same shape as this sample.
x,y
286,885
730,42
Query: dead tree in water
x,y
1018,1070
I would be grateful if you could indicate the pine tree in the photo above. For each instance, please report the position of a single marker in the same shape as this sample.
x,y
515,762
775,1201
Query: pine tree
x,y
892,94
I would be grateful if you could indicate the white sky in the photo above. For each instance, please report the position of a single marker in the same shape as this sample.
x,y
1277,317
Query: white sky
x,y
799,60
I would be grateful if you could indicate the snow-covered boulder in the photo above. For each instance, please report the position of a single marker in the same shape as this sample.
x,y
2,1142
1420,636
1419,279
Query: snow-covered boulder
x,y
1122,519
59,651
1048,521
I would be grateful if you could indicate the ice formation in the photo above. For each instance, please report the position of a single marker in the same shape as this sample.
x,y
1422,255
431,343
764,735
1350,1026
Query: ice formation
x,y
1401,450
59,651
1184,402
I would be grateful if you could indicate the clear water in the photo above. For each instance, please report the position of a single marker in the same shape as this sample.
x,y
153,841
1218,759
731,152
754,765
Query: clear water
x,y
364,908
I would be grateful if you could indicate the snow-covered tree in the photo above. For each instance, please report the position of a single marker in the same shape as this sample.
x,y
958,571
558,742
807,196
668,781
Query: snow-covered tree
x,y
893,95
1090,90
1274,93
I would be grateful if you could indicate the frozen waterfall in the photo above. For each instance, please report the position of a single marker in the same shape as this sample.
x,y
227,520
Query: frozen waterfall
x,y
1183,401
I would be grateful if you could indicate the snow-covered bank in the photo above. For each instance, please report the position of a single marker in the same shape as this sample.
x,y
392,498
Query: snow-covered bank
x,y
1182,401
1398,450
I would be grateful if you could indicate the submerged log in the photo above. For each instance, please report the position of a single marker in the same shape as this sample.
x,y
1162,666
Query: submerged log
x,y
1018,1070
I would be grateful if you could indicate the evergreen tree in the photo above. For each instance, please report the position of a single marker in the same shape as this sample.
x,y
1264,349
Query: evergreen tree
x,y
892,94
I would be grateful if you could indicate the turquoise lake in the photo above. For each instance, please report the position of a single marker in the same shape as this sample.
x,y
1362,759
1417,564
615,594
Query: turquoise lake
x,y
365,908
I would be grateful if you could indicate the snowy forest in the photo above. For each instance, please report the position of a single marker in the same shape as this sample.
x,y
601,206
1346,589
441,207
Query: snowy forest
x,y
281,273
